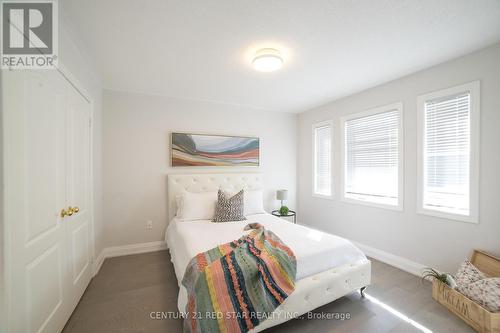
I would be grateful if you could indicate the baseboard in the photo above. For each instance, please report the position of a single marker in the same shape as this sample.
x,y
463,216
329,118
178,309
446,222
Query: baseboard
x,y
403,264
391,259
99,261
124,250
383,256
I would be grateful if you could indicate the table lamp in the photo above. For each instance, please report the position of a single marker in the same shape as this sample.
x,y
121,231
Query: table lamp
x,y
282,195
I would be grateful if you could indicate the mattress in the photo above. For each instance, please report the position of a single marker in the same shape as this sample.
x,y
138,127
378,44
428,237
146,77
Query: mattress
x,y
314,250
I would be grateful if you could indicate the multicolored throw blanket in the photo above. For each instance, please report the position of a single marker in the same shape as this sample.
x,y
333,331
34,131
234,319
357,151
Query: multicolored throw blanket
x,y
235,286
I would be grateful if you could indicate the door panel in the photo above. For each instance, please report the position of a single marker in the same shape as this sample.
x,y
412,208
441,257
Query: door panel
x,y
47,168
35,154
80,152
44,299
80,252
44,122
78,188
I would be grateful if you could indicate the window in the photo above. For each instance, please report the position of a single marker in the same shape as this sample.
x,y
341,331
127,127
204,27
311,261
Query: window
x,y
322,148
448,154
372,152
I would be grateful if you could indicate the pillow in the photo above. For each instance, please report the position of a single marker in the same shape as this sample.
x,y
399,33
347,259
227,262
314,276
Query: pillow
x,y
178,202
229,208
467,274
253,202
196,206
486,292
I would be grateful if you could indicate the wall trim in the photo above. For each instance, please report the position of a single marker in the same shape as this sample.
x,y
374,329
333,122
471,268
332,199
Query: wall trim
x,y
125,250
404,264
98,262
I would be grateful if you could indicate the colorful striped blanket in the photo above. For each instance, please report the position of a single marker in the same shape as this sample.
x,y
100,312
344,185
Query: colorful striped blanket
x,y
235,286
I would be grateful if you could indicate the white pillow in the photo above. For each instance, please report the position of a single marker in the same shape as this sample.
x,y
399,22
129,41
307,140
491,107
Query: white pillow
x,y
253,202
486,292
467,274
179,198
196,206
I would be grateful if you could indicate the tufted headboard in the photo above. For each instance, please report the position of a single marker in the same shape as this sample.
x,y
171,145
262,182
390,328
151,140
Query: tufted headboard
x,y
209,182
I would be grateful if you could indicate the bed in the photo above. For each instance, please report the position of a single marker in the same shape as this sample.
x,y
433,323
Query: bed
x,y
328,266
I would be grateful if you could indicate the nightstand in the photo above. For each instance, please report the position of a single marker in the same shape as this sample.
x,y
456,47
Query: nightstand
x,y
290,213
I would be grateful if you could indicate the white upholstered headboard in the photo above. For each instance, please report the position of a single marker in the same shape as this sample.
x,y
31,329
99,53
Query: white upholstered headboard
x,y
209,182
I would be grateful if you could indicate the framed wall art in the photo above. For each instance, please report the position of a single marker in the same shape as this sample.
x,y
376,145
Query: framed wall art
x,y
213,150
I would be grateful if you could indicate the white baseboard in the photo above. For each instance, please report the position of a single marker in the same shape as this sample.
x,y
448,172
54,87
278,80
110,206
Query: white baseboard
x,y
99,261
391,259
124,250
385,257
403,264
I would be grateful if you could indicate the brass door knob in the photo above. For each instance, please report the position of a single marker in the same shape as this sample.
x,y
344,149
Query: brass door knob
x,y
65,212
74,210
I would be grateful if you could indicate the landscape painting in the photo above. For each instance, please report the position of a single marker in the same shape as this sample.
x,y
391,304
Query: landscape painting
x,y
213,150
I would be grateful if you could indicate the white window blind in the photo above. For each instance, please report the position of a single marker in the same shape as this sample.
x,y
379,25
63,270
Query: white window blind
x,y
446,155
322,159
372,157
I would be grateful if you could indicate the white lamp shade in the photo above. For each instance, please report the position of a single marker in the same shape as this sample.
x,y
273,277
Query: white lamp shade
x,y
281,194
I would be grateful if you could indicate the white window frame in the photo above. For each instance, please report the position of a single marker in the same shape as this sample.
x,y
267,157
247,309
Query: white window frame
x,y
399,107
474,89
313,128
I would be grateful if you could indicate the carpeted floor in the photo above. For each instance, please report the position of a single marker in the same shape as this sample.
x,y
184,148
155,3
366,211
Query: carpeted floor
x,y
121,298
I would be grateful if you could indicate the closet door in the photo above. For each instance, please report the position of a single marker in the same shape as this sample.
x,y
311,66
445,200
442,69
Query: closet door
x,y
35,192
78,195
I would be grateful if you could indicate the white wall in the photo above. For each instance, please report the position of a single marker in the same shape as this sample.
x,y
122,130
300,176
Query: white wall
x,y
423,239
74,58
136,156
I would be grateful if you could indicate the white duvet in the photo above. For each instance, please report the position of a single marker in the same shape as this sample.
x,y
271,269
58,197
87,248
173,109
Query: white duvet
x,y
315,251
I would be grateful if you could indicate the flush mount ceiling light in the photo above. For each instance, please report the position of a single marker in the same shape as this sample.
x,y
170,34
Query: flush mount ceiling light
x,y
267,60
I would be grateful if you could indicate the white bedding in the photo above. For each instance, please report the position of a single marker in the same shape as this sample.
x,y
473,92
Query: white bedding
x,y
315,251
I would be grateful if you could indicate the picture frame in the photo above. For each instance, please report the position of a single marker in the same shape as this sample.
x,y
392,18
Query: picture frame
x,y
202,150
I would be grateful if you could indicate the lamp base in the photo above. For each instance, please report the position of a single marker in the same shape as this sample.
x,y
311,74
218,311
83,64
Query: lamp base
x,y
284,210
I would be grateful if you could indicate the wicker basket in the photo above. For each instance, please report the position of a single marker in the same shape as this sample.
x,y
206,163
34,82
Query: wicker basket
x,y
472,313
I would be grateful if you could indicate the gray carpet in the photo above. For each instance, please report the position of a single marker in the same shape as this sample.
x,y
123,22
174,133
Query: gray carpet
x,y
127,289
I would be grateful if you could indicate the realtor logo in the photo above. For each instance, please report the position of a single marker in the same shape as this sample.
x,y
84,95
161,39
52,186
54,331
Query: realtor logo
x,y
29,34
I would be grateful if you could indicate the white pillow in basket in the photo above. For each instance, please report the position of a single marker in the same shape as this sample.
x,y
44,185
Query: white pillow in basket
x,y
485,292
467,274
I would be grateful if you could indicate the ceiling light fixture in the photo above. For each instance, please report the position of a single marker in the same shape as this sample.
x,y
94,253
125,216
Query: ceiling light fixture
x,y
267,60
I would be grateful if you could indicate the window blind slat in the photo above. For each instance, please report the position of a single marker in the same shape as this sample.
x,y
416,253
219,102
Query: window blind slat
x,y
447,154
322,160
371,157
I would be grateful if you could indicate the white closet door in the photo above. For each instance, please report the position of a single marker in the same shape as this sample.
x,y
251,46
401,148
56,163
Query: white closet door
x,y
35,154
78,189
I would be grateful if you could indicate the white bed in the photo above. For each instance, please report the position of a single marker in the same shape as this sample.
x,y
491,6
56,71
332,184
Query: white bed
x,y
328,267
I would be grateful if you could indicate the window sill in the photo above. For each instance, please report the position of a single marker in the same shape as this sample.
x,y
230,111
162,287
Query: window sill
x,y
449,216
398,208
322,196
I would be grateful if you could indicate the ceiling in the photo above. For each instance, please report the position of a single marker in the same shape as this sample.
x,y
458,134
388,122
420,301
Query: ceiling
x,y
202,50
